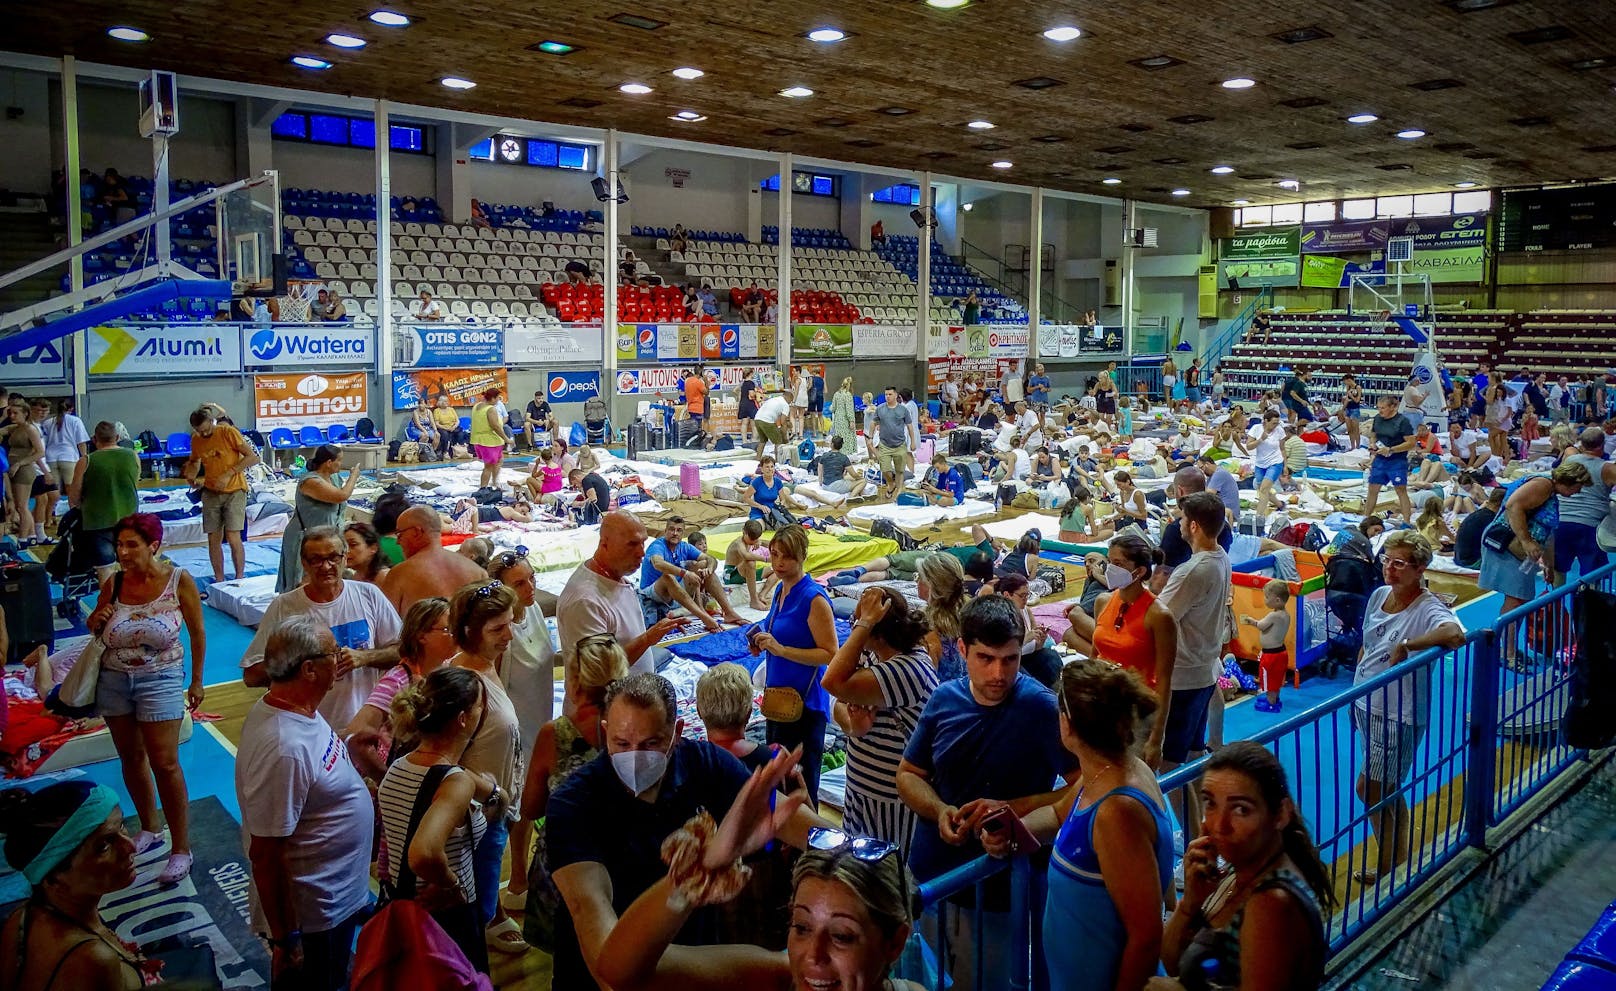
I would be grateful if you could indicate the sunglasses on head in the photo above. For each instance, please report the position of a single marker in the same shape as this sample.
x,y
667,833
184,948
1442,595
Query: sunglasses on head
x,y
868,848
486,590
507,559
1122,614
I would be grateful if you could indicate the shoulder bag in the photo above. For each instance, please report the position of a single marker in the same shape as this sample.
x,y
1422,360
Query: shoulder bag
x,y
78,688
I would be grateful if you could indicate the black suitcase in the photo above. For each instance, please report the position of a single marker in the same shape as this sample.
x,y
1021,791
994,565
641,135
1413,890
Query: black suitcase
x,y
963,442
638,439
30,621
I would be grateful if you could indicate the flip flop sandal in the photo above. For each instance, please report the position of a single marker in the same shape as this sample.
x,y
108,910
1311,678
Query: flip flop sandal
x,y
1369,878
498,937
177,870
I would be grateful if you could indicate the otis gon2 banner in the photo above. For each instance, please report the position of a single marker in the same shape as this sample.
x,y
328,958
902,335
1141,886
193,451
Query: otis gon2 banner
x,y
310,400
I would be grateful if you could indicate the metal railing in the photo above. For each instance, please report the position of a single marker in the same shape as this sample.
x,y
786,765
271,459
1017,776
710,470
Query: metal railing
x,y
1235,332
1395,777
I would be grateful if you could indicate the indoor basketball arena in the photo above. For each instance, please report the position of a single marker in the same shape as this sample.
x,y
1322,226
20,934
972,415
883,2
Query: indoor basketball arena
x,y
869,495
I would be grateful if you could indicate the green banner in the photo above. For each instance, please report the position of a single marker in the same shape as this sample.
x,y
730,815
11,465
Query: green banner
x,y
1266,242
1253,272
818,340
1451,264
1323,271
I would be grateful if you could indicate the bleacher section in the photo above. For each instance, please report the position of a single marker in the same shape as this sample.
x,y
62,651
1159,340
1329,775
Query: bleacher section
x,y
1561,342
950,280
1379,355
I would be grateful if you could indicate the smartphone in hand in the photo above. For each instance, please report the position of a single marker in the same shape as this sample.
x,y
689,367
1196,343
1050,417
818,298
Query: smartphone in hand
x,y
1021,839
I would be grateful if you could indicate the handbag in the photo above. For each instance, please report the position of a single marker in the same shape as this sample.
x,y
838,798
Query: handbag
x,y
783,704
78,688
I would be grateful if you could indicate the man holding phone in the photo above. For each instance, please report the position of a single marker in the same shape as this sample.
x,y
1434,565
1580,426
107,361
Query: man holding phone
x,y
985,741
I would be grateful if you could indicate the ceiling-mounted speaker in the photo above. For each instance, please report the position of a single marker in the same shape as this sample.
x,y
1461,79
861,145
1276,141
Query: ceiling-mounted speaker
x,y
924,217
603,189
1222,224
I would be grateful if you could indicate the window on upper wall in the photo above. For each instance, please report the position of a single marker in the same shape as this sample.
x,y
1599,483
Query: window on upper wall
x,y
902,194
1433,204
1474,201
1288,213
510,149
807,183
1254,216
1357,209
1319,213
353,132
1394,206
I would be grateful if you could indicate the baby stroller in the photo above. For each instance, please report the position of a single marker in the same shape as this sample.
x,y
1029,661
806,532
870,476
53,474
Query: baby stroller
x,y
597,421
69,564
1348,581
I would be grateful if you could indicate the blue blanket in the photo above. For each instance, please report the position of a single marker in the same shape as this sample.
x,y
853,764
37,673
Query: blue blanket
x,y
730,645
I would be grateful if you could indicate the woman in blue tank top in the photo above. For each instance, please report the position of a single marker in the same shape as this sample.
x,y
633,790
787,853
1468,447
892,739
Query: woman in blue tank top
x,y
1112,863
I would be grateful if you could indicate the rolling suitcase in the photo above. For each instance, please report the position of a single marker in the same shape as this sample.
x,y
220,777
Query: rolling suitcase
x,y
689,481
30,621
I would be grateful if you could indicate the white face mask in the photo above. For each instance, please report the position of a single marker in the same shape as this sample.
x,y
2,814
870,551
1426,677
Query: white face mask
x,y
1117,576
640,770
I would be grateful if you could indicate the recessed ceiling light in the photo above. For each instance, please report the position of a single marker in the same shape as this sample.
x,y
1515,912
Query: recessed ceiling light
x,y
1239,82
636,21
344,41
389,18
1221,169
1288,184
895,111
967,207
455,82
980,125
1064,32
1156,62
1239,202
1181,192
1411,134
1362,119
555,48
1464,185
946,4
826,36
128,34
1111,180
688,116
1002,164
310,62
686,72
797,92
635,89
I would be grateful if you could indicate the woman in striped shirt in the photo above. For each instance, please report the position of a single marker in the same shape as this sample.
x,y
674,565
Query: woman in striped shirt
x,y
881,679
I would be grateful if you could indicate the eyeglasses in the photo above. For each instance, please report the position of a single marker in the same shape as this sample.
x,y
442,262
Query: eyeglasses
x,y
403,530
486,590
334,652
1397,564
327,559
866,848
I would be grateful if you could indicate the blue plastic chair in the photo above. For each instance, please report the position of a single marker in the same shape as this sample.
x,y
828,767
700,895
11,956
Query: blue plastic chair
x,y
311,436
337,433
411,432
465,424
1575,975
178,445
282,439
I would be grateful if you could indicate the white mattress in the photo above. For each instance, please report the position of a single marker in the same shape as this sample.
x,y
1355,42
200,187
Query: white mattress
x,y
1012,529
916,516
92,748
244,600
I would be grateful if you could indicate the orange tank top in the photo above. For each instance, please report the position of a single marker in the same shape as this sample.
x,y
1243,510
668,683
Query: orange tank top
x,y
1132,646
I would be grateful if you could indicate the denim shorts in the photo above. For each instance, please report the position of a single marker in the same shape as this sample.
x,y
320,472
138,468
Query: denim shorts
x,y
1389,470
1269,474
154,696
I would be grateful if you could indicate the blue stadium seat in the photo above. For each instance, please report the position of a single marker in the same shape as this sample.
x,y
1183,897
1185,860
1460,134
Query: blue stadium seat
x,y
311,436
337,433
1575,975
282,439
178,445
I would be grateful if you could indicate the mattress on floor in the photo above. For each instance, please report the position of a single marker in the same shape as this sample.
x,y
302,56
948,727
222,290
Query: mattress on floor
x,y
826,553
92,748
244,601
910,517
1013,528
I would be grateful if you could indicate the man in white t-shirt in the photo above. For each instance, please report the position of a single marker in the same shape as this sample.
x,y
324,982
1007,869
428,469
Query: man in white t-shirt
x,y
306,816
773,424
1010,389
597,599
364,623
1463,447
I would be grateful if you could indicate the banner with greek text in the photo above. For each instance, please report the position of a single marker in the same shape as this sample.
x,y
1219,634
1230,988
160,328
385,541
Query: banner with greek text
x,y
314,399
463,386
166,349
1263,242
1335,272
324,344
1467,264
448,346
1249,273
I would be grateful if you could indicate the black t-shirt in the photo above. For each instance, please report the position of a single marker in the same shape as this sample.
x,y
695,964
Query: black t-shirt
x,y
593,819
987,421
539,410
1467,542
596,489
1393,431
748,393
1176,550
1295,391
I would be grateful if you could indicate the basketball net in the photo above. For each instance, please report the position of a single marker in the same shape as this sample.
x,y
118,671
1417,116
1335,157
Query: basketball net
x,y
295,304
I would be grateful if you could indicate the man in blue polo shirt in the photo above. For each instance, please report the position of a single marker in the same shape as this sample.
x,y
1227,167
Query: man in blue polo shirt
x,y
942,485
605,824
1038,386
983,741
672,569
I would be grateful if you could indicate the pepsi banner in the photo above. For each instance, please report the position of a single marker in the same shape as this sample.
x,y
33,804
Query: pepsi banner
x,y
448,346
322,344
571,387
647,342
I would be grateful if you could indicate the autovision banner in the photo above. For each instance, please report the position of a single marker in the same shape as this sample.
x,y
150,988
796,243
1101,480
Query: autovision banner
x,y
162,350
326,344
642,381
448,345
1264,242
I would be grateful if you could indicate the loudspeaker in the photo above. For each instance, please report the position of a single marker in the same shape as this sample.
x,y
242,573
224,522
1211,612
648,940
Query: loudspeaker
x,y
923,217
603,189
1222,222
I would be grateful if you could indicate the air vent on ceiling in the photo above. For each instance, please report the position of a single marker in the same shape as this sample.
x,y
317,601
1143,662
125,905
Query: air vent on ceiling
x,y
1478,156
991,146
1114,150
1051,139
1454,146
1536,120
1154,62
1304,145
1140,237
1539,36
636,21
1189,119
1432,85
1515,164
1253,177
1395,167
1471,6
833,122
1304,102
580,102
1135,128
1297,36
779,132
895,111
863,143
938,156
1599,149
1038,82
1169,161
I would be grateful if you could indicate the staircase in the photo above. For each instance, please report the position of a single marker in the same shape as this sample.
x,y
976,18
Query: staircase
x,y
25,238
661,264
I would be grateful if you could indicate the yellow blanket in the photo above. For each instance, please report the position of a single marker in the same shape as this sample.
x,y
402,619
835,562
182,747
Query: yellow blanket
x,y
825,553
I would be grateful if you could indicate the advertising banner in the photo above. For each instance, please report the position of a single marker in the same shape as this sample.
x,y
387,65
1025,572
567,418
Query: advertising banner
x,y
571,387
314,399
1351,236
876,340
1334,272
1467,264
1461,231
328,344
1006,340
1263,242
447,345
179,349
1345,237
1251,272
642,381
816,340
463,386
942,341
956,366
694,342
40,364
535,344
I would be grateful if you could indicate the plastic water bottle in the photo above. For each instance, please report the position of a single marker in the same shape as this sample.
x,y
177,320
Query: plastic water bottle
x,y
1530,566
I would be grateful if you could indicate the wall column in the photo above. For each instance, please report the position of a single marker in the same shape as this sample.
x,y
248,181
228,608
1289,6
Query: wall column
x,y
923,274
1035,278
1128,283
782,322
608,318
384,260
75,211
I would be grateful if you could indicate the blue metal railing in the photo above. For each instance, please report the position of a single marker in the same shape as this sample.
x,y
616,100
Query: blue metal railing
x,y
1488,741
1236,330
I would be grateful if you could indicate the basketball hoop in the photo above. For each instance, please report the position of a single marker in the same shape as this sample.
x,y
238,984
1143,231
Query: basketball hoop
x,y
294,306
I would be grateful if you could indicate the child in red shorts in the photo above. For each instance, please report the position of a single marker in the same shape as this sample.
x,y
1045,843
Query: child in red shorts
x,y
1275,660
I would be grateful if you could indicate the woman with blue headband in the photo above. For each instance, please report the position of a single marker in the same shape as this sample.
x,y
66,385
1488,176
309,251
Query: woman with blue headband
x,y
68,840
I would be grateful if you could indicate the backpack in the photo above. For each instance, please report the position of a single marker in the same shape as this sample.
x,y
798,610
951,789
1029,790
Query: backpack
x,y
1054,575
724,443
885,528
149,442
805,450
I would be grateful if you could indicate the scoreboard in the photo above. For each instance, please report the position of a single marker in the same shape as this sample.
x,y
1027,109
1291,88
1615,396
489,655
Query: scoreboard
x,y
1569,219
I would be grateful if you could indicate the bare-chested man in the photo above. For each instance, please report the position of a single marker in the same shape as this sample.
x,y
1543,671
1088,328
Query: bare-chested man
x,y
428,568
